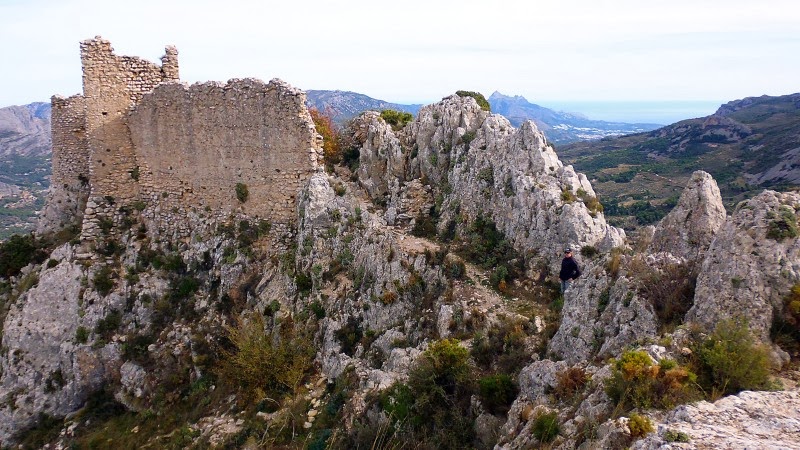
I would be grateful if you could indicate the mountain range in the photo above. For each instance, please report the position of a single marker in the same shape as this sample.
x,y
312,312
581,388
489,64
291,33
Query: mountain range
x,y
747,145
559,127
25,146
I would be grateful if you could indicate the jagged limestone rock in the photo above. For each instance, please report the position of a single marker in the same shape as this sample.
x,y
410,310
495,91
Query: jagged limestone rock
x,y
745,272
479,164
687,231
601,316
747,420
44,369
381,159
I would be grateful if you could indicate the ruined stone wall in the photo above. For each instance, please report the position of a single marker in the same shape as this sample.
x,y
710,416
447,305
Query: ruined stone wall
x,y
139,137
69,183
195,144
111,85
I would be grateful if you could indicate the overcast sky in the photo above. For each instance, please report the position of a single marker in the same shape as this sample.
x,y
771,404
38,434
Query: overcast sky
x,y
417,51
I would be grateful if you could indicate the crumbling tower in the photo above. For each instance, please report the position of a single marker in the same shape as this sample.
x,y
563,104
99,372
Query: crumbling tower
x,y
94,162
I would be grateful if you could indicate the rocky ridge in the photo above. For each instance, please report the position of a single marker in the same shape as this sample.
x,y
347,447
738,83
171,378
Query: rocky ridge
x,y
375,297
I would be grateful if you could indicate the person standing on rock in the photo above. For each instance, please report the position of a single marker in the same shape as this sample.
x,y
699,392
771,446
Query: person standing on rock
x,y
569,270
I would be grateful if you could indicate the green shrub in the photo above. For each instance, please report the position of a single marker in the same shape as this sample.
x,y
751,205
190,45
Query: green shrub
x,y
670,291
425,225
350,335
730,360
242,193
785,329
676,436
486,174
339,189
304,283
456,270
432,410
636,382
545,427
108,324
483,244
397,119
589,251
261,364
103,283
784,226
567,196
497,392
318,310
81,335
19,251
502,348
640,426
482,102
52,263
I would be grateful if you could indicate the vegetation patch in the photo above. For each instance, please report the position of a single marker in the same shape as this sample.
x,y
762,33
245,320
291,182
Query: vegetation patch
x,y
497,392
639,425
242,193
432,410
262,364
637,382
783,226
483,244
785,329
19,251
397,119
730,361
545,427
482,102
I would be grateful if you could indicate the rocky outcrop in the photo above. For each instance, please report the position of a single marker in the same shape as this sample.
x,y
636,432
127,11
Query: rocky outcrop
x,y
687,231
44,369
479,164
748,420
751,265
381,160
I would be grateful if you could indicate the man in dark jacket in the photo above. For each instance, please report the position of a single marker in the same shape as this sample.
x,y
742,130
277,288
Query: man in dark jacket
x,y
569,270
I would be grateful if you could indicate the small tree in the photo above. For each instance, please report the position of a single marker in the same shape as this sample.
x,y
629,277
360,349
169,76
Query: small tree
x,y
242,193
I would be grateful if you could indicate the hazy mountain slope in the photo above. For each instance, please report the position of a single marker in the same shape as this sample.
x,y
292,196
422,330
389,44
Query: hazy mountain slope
x,y
344,105
25,148
560,127
747,145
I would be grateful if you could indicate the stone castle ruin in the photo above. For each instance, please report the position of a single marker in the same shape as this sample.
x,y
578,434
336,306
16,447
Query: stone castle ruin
x,y
137,138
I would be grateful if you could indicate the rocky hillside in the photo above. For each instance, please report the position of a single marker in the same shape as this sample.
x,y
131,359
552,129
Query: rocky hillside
x,y
561,127
414,304
747,145
24,165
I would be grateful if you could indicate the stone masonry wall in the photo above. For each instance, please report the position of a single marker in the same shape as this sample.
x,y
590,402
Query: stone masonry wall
x,y
69,183
137,136
111,85
195,144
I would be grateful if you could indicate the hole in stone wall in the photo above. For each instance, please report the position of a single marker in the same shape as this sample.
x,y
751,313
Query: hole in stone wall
x,y
105,113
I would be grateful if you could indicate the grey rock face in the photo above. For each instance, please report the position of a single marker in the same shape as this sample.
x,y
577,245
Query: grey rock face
x,y
381,159
748,420
745,273
44,368
480,164
687,231
601,316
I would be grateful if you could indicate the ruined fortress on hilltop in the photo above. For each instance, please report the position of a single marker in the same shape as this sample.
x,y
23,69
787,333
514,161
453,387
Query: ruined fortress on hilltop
x,y
138,138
